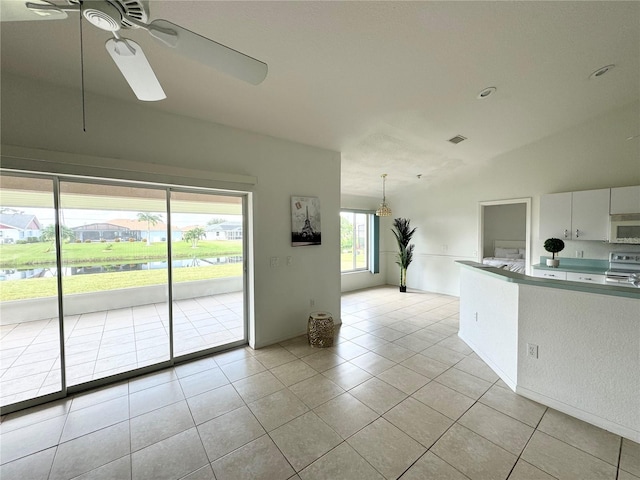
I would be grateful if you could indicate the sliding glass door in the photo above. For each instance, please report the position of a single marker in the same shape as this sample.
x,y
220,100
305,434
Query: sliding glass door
x,y
129,276
208,265
29,325
114,283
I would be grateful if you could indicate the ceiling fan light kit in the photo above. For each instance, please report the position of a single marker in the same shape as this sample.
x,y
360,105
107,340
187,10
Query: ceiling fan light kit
x,y
114,16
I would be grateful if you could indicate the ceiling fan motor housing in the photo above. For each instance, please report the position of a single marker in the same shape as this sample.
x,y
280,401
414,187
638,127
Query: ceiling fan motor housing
x,y
110,15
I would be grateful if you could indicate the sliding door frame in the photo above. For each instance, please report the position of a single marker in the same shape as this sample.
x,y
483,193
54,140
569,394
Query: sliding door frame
x,y
167,188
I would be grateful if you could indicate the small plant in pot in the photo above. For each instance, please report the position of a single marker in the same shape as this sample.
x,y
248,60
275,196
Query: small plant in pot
x,y
553,246
403,233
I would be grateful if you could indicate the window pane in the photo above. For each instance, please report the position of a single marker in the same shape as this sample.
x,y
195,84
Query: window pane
x,y
114,258
30,346
354,241
208,282
361,235
346,241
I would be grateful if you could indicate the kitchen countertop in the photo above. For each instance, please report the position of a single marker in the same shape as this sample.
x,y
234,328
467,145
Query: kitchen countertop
x,y
576,265
512,277
596,270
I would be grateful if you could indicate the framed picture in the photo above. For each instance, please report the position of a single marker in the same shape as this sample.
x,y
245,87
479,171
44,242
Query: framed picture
x,y
305,221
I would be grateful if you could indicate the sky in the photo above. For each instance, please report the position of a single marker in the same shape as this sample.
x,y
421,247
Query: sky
x,y
76,217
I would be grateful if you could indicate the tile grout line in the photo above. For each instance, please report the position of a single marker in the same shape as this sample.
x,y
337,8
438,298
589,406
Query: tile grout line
x,y
619,458
526,444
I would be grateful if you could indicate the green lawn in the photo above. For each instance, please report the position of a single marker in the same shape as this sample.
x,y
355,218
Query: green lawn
x,y
95,253
346,261
47,287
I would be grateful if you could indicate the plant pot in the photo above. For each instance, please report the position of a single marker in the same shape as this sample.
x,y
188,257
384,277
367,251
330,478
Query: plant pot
x,y
553,262
403,288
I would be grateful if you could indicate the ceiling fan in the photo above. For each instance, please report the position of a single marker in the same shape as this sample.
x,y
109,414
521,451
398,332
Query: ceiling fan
x,y
114,16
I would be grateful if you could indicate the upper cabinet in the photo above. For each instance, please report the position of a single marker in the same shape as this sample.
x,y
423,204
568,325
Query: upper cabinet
x,y
555,216
575,215
590,215
625,200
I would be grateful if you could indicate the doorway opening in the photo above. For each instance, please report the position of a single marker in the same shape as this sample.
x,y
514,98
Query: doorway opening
x,y
504,230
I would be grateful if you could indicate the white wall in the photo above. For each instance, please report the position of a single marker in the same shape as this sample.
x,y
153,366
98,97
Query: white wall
x,y
588,351
489,307
594,154
588,345
47,117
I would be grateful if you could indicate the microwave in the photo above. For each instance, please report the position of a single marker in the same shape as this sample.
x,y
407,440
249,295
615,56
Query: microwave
x,y
625,228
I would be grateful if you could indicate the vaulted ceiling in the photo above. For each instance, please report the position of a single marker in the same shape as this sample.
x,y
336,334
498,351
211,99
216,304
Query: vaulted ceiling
x,y
385,83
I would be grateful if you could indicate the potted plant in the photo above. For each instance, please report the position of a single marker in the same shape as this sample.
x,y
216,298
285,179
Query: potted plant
x,y
553,245
403,233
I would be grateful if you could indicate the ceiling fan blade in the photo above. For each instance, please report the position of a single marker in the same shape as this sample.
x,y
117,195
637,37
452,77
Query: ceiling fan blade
x,y
17,10
208,52
135,68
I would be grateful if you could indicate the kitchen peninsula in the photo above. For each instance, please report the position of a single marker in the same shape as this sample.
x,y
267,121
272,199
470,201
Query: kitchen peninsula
x,y
568,345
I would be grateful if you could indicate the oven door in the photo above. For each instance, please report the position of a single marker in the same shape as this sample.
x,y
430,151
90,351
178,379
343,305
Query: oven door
x,y
618,278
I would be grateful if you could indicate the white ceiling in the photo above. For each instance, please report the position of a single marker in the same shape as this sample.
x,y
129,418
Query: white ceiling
x,y
385,83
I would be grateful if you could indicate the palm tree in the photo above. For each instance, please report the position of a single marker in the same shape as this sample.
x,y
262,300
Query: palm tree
x,y
151,219
403,233
194,235
48,233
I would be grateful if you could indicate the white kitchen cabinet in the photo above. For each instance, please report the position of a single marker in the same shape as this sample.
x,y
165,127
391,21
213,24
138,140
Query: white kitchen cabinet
x,y
555,216
575,215
586,277
590,214
551,274
625,200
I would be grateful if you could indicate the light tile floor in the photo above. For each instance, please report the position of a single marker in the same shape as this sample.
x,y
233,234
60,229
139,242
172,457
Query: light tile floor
x,y
398,396
104,343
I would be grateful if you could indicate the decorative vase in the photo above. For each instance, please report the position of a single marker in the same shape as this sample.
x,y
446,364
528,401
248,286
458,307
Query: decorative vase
x,y
553,262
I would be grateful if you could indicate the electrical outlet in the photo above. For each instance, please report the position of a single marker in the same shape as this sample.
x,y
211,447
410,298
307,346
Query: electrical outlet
x,y
312,303
579,253
532,350
289,261
275,262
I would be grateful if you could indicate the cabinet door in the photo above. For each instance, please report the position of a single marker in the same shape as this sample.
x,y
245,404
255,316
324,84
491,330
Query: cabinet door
x,y
590,215
552,274
555,216
625,200
586,277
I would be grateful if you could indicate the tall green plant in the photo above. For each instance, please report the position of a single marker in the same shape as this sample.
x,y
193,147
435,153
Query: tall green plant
x,y
151,219
403,232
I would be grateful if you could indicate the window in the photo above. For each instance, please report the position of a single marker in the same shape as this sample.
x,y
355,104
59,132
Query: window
x,y
354,241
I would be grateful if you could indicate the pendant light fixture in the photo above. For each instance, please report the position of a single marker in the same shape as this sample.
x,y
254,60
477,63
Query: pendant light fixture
x,y
383,210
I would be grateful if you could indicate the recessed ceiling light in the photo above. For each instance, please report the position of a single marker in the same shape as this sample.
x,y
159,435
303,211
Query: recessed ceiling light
x,y
486,92
601,71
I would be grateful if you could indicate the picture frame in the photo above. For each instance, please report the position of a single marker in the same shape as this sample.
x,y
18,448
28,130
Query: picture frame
x,y
305,221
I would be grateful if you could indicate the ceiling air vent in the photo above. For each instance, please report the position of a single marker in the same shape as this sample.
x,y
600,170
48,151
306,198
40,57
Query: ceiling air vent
x,y
457,139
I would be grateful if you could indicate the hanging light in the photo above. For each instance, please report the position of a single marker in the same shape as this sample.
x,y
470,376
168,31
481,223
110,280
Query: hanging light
x,y
383,210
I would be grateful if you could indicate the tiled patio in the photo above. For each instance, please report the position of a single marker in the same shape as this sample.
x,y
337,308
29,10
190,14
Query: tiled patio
x,y
398,396
100,344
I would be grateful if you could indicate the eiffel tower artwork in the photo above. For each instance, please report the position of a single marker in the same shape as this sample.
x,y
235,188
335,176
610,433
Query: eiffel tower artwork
x,y
305,221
